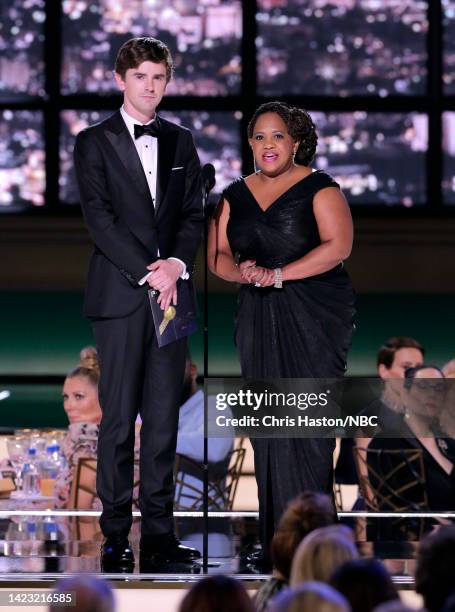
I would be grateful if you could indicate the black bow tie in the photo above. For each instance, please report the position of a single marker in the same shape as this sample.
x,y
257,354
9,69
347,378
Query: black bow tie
x,y
150,130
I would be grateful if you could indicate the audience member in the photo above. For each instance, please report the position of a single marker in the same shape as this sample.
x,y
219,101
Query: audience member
x,y
365,583
395,606
449,369
305,513
81,404
435,568
309,597
321,552
217,594
423,393
449,604
89,594
447,417
190,443
394,357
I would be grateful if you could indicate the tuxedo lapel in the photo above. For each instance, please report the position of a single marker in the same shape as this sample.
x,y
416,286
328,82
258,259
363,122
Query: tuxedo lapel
x,y
167,143
117,134
141,212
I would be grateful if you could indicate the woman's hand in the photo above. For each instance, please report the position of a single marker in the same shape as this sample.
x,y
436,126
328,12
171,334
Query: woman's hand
x,y
257,274
246,267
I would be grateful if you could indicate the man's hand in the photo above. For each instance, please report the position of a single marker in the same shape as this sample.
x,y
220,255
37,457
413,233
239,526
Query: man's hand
x,y
165,273
167,296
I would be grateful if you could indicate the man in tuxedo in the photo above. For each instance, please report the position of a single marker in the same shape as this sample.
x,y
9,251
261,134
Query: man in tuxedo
x,y
139,182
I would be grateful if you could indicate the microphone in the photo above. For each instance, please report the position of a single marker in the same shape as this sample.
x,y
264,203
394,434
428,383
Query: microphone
x,y
208,177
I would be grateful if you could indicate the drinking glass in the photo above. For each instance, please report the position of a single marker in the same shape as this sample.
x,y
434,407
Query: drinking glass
x,y
17,447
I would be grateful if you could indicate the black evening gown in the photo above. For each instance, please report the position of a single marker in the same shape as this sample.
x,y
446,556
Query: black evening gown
x,y
300,331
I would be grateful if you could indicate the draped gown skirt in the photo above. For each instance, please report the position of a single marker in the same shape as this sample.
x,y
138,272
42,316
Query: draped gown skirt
x,y
300,331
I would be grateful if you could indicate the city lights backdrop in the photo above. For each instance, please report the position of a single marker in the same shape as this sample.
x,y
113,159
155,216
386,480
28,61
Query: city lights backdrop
x,y
378,77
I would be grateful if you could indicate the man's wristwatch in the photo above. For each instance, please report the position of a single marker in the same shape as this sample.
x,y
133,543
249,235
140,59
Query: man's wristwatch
x,y
278,278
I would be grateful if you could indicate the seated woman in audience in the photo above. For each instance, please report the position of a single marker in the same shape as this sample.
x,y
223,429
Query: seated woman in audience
x,y
321,552
447,416
82,407
310,597
365,583
305,513
217,594
423,397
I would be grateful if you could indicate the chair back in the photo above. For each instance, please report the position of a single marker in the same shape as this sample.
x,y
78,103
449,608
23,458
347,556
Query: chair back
x,y
223,478
84,481
392,479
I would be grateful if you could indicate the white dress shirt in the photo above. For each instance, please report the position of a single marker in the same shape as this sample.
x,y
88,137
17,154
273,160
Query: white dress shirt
x,y
147,149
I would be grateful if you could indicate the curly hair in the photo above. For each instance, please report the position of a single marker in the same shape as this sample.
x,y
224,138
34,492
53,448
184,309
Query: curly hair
x,y
299,125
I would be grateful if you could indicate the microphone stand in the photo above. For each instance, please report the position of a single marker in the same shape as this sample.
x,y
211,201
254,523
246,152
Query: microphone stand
x,y
207,185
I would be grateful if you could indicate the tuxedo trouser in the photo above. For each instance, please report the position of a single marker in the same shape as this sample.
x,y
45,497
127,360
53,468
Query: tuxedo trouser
x,y
137,377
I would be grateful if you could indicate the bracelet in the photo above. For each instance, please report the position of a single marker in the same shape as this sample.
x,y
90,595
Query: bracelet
x,y
278,278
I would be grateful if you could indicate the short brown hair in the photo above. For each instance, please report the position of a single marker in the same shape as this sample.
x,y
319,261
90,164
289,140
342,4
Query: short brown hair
x,y
386,353
146,49
306,512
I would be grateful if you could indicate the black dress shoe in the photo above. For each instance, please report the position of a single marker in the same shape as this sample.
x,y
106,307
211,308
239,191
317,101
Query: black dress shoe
x,y
117,554
153,565
166,548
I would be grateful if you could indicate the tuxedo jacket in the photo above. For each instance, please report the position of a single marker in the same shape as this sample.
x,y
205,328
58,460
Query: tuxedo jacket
x,y
127,230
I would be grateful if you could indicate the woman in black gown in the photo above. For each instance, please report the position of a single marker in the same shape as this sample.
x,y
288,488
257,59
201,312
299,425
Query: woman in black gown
x,y
289,228
423,396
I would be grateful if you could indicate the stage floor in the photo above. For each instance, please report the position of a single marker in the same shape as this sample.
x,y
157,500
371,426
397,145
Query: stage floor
x,y
40,546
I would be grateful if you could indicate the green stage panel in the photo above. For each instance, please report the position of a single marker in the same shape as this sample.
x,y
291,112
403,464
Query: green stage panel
x,y
42,333
427,318
32,406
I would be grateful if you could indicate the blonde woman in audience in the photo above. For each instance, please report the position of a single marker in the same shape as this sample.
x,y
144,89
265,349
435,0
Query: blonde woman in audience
x,y
321,552
310,597
82,407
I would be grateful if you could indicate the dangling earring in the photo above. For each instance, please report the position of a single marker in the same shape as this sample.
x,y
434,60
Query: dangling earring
x,y
293,155
254,161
